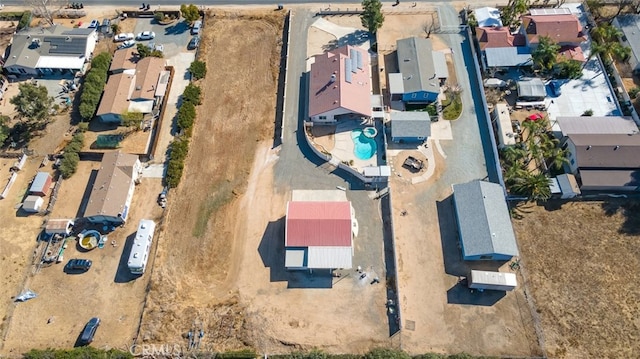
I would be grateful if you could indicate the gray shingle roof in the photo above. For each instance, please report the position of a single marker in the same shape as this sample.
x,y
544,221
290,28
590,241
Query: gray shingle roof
x,y
28,45
483,219
410,124
416,64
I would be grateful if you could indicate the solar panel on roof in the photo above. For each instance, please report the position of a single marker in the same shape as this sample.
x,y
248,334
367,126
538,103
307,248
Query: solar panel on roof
x,y
354,63
347,70
68,45
359,59
558,11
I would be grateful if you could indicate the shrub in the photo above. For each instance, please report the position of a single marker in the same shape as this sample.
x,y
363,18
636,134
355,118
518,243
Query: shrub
x,y
69,164
633,93
25,20
385,353
192,94
174,173
159,16
83,127
77,353
198,69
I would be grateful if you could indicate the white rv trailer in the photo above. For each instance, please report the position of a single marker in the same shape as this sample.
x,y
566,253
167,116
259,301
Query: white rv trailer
x,y
482,280
141,248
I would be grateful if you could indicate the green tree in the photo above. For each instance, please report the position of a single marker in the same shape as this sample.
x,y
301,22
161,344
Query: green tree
x,y
595,6
32,103
546,54
190,12
158,16
192,94
534,186
131,118
4,129
198,69
569,69
512,12
69,164
174,173
372,17
145,51
607,43
186,116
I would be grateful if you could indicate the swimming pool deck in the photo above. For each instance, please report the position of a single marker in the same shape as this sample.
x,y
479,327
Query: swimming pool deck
x,y
344,146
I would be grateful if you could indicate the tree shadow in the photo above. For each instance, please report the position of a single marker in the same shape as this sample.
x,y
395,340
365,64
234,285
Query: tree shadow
x,y
177,29
629,209
355,38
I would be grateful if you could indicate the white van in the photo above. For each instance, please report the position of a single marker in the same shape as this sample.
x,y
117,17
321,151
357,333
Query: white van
x,y
195,29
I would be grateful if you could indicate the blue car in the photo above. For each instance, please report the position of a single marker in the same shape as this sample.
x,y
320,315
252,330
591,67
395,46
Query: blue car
x,y
89,331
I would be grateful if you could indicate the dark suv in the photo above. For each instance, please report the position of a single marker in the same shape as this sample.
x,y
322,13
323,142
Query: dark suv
x,y
78,265
89,331
193,44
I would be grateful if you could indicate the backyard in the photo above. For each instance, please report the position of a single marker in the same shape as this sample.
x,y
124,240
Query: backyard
x,y
581,260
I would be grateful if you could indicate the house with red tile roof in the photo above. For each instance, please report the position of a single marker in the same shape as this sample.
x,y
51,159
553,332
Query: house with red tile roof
x,y
563,29
491,37
501,48
340,85
319,235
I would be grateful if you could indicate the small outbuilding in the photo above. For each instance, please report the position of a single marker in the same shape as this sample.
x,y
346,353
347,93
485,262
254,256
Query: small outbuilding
x,y
32,204
319,235
410,126
41,184
59,226
531,89
484,223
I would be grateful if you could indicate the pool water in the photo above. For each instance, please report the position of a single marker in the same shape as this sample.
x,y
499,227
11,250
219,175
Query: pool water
x,y
364,147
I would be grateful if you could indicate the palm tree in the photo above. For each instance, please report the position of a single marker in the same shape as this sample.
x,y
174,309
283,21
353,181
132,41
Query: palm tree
x,y
513,154
607,43
546,54
514,173
534,186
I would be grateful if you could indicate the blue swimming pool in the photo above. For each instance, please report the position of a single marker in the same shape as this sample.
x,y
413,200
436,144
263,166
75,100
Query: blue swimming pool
x,y
364,147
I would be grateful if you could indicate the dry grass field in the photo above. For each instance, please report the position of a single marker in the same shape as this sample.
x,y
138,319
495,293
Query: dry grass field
x,y
193,276
582,261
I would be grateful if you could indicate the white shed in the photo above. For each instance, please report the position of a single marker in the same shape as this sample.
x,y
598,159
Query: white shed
x,y
32,204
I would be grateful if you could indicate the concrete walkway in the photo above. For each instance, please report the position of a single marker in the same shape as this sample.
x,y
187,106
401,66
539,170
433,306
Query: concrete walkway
x,y
180,63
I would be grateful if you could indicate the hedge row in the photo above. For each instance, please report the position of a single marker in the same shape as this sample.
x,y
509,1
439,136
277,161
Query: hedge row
x,y
191,97
93,86
70,158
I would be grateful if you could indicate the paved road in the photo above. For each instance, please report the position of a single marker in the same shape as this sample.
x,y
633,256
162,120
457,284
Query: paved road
x,y
476,3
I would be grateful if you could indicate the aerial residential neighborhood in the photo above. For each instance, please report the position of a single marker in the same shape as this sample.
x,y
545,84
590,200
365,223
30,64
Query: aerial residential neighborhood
x,y
304,180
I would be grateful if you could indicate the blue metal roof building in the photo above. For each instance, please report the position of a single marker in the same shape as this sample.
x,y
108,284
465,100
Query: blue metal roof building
x,y
484,224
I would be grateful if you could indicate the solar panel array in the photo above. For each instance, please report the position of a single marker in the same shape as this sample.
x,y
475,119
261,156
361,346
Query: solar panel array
x,y
558,11
354,62
68,45
359,59
347,70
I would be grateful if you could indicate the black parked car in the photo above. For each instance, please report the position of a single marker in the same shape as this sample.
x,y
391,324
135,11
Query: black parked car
x,y
78,265
195,41
89,331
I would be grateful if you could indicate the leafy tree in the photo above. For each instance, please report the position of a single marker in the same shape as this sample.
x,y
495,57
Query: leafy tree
x,y
569,69
115,28
595,6
4,129
372,17
192,94
33,103
186,116
512,12
69,164
158,16
145,51
131,118
25,20
198,69
545,55
190,12
94,85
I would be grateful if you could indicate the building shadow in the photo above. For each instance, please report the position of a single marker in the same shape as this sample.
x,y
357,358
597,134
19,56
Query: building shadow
x,y
87,193
271,250
282,83
451,252
123,274
462,294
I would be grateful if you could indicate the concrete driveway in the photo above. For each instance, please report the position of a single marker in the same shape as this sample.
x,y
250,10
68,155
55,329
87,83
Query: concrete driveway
x,y
173,37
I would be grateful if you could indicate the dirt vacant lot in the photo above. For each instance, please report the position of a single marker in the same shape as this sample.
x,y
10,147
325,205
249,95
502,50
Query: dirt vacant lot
x,y
582,261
